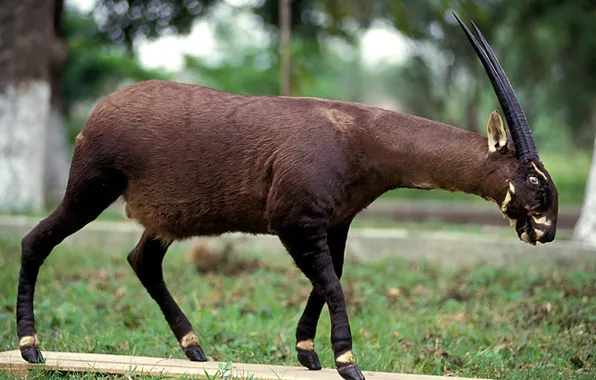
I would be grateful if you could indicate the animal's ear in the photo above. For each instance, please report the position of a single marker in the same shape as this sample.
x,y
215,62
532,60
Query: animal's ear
x,y
497,138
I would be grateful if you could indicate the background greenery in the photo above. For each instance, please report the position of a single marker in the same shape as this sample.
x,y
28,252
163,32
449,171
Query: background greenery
x,y
548,48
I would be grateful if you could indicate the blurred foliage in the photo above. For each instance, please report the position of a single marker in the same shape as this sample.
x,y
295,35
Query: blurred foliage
x,y
95,66
255,71
124,20
548,48
555,57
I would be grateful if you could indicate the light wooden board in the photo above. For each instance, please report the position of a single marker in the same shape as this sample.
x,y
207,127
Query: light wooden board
x,y
142,365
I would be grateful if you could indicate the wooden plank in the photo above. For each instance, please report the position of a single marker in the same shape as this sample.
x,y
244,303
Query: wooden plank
x,y
142,365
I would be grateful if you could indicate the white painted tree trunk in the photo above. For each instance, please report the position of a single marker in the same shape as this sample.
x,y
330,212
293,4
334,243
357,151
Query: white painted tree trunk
x,y
585,230
57,158
24,112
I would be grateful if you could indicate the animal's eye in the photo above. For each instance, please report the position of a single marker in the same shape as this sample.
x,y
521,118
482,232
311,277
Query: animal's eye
x,y
533,180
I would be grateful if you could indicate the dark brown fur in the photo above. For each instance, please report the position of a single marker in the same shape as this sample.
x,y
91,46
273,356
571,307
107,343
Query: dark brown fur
x,y
193,161
199,161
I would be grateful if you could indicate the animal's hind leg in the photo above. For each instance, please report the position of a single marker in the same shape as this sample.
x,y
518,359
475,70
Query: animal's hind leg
x,y
86,197
307,244
146,260
307,325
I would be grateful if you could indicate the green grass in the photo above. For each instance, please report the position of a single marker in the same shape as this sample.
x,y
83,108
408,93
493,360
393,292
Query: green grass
x,y
522,323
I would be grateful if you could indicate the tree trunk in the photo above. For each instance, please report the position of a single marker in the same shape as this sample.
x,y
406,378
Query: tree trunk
x,y
585,230
57,155
285,18
26,46
355,86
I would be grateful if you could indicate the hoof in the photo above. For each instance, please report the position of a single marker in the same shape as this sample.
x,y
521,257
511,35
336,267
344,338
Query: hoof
x,y
309,359
351,372
32,355
195,354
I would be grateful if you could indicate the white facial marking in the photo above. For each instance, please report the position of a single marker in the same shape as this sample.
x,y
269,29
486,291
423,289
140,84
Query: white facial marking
x,y
506,201
511,188
306,345
525,237
539,172
541,220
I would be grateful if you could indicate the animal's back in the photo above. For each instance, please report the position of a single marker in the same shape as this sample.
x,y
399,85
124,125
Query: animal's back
x,y
201,161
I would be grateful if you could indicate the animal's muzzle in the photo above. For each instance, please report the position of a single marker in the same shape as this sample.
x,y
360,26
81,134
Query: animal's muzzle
x,y
547,237
531,233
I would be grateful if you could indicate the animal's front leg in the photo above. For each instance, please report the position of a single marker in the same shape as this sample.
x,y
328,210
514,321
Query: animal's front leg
x,y
307,326
308,246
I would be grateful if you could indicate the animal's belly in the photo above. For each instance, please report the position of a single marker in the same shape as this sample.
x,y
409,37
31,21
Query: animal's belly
x,y
177,221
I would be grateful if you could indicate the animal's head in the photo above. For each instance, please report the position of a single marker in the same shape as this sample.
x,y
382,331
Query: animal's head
x,y
531,202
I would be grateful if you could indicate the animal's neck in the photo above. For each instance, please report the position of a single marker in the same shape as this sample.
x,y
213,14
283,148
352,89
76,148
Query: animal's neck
x,y
424,154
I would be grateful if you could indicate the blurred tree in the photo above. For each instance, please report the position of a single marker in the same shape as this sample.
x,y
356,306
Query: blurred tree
x,y
96,66
30,51
253,70
79,64
548,49
429,86
285,47
546,46
585,230
554,53
56,160
125,20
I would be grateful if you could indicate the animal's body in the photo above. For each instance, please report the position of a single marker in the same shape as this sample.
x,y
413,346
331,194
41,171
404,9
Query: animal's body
x,y
198,161
193,161
230,160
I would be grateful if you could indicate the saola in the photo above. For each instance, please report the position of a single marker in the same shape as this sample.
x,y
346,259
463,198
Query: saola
x,y
193,161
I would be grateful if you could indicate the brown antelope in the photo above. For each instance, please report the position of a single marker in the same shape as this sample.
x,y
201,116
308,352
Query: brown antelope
x,y
192,161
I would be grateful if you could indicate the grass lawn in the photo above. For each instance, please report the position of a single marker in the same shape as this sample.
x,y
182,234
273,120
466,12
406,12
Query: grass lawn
x,y
523,323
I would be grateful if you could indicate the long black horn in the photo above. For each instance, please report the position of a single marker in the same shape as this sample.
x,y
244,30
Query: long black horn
x,y
514,114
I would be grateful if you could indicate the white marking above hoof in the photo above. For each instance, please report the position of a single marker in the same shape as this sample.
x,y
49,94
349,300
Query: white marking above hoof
x,y
188,340
346,357
306,345
30,341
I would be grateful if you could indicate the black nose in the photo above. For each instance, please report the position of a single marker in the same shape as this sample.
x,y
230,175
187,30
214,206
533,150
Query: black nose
x,y
547,237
